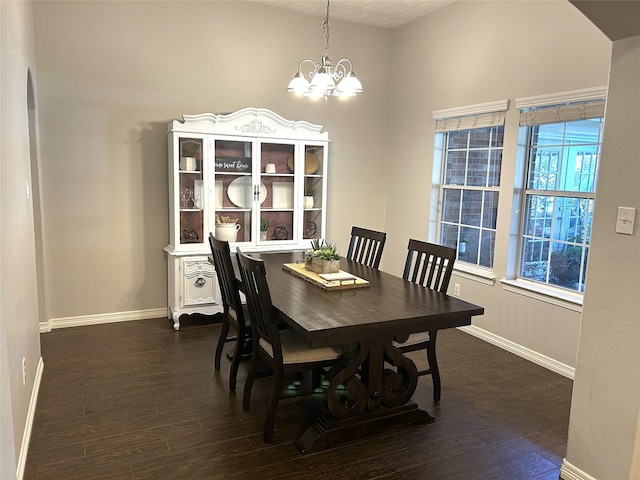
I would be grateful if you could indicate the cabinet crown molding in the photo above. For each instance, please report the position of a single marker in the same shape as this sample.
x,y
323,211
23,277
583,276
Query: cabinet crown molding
x,y
258,121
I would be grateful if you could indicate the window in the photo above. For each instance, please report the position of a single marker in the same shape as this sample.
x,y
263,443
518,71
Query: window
x,y
562,156
469,148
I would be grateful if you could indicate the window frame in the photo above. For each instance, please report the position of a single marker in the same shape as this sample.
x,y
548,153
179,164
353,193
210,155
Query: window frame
x,y
465,119
563,296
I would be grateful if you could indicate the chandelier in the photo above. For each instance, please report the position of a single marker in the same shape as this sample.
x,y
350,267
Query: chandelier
x,y
326,79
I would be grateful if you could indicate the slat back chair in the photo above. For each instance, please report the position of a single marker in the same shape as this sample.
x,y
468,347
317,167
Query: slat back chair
x,y
234,313
366,246
431,266
280,349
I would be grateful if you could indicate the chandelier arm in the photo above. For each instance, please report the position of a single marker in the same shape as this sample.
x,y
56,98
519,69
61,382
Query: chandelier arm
x,y
340,63
304,60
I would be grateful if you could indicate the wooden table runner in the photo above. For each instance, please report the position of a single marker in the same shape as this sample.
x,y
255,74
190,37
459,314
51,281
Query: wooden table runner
x,y
349,281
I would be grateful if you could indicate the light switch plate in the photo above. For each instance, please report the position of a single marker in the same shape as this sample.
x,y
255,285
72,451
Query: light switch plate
x,y
625,220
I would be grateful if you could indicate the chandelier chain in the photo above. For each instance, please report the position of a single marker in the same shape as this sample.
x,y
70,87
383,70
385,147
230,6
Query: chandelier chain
x,y
325,29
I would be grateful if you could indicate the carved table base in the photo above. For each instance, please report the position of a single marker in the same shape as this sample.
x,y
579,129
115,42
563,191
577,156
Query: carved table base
x,y
365,396
328,430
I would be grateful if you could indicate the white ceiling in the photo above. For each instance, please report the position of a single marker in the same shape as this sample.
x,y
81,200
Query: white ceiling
x,y
380,13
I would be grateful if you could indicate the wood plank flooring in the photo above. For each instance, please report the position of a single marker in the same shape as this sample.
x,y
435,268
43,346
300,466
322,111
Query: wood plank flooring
x,y
137,400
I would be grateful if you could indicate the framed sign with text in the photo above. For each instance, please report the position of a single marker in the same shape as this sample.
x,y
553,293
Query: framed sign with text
x,y
233,164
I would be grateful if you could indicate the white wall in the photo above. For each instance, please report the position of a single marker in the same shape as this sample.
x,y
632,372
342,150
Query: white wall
x,y
18,286
470,53
113,74
606,395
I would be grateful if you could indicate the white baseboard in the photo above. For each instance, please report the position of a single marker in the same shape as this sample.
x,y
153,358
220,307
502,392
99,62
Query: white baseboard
x,y
569,472
97,319
524,352
31,413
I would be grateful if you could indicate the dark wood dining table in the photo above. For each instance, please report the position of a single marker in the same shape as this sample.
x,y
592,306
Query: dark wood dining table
x,y
371,386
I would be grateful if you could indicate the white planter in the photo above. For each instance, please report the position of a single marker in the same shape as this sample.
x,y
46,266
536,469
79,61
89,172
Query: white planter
x,y
188,163
308,201
227,231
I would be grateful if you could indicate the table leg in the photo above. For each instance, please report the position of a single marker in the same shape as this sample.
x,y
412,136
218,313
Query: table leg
x,y
364,397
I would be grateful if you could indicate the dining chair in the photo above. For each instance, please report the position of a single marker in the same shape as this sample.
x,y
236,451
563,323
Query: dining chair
x,y
280,349
429,265
234,312
366,246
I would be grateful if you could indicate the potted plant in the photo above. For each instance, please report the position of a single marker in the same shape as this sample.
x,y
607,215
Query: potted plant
x,y
308,197
188,155
264,224
323,257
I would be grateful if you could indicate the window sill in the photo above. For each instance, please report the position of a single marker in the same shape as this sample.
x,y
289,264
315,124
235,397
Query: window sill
x,y
555,296
477,274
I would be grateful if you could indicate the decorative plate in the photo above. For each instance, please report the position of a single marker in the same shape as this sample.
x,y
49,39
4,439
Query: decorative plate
x,y
311,163
240,192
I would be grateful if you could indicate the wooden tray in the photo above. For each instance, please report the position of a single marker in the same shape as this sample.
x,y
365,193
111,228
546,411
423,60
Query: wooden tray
x,y
299,270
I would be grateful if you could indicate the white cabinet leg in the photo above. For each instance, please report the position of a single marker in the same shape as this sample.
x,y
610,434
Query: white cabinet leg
x,y
176,320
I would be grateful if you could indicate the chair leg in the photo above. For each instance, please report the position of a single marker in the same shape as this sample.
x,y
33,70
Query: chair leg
x,y
248,384
433,365
235,361
221,341
272,406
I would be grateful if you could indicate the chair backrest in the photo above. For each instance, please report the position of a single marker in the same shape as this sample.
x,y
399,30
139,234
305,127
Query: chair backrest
x,y
229,288
264,321
429,265
366,246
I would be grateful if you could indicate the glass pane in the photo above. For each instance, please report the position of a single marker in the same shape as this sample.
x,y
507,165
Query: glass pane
x,y
495,167
533,264
449,235
543,170
471,208
277,161
470,243
570,219
538,216
584,131
190,190
478,168
234,190
480,137
457,140
549,134
313,200
497,136
455,168
565,266
451,205
487,247
490,210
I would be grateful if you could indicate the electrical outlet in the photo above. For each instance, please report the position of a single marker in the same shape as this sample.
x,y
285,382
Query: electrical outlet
x,y
24,370
456,289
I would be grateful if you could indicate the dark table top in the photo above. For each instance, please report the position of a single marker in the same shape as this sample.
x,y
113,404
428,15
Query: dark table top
x,y
389,307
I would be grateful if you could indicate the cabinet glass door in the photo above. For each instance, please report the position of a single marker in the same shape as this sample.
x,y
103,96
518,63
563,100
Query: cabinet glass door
x,y
190,190
313,203
277,219
234,190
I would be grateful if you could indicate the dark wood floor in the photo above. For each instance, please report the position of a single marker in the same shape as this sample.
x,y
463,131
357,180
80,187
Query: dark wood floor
x,y
137,400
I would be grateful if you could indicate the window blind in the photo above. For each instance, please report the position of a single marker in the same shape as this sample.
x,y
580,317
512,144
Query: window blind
x,y
473,116
562,113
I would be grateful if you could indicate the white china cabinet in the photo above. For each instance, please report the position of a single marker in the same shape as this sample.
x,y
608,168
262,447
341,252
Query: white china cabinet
x,y
250,177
